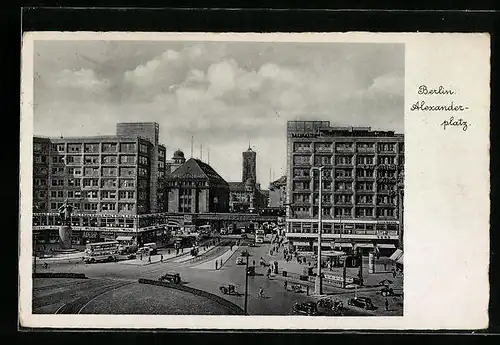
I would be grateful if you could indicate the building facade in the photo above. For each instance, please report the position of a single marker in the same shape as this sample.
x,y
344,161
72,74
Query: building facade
x,y
195,187
360,203
277,192
249,170
110,181
246,197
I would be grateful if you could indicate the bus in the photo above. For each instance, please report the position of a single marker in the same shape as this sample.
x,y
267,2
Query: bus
x,y
259,236
101,251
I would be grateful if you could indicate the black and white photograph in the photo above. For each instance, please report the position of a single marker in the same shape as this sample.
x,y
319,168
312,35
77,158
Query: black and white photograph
x,y
218,178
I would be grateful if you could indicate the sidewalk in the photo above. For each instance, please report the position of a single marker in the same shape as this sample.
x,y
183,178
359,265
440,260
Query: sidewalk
x,y
155,259
60,257
189,257
210,265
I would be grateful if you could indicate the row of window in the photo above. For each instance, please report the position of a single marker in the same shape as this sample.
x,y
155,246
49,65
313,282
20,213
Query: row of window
x,y
348,160
93,206
342,172
343,146
347,186
346,212
92,182
90,194
380,228
93,159
346,199
94,147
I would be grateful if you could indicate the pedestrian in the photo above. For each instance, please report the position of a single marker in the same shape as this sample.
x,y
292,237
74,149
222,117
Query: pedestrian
x,y
286,285
149,259
220,263
161,258
253,261
307,290
216,264
393,273
261,292
168,252
141,256
386,305
385,267
182,250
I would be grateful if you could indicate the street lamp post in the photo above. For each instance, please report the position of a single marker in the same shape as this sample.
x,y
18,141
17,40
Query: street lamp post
x,y
318,286
246,286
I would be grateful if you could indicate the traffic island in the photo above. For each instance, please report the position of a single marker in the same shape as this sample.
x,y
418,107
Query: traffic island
x,y
223,302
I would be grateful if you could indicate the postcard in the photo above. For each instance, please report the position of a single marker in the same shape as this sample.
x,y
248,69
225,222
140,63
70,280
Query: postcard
x,y
321,181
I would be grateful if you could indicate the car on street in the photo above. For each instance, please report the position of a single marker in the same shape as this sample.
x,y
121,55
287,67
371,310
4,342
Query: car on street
x,y
306,308
361,302
240,261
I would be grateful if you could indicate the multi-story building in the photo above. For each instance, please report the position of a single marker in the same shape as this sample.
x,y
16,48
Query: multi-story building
x,y
111,182
359,196
195,187
277,192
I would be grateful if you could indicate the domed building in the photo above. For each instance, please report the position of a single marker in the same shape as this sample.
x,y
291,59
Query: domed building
x,y
177,160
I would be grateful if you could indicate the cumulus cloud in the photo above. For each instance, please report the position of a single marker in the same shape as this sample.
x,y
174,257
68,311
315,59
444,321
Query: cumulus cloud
x,y
224,94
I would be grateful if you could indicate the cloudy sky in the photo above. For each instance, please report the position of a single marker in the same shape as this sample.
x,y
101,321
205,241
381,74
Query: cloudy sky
x,y
225,94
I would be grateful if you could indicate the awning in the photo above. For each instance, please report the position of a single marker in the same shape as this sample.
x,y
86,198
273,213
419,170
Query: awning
x,y
300,243
364,245
124,238
396,255
400,260
343,245
386,245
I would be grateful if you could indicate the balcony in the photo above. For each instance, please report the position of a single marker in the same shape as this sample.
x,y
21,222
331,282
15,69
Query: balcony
x,y
344,149
343,191
365,191
387,167
323,150
366,149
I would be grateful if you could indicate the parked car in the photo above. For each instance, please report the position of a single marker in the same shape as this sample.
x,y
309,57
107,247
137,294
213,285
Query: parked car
x,y
307,308
240,261
361,302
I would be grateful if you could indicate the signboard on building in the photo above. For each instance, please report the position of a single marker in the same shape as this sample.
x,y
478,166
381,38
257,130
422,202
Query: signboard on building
x,y
188,219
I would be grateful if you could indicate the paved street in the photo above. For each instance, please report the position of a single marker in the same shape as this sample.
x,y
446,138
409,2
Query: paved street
x,y
114,288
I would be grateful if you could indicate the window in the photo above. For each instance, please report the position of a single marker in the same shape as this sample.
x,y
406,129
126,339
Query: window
x,y
143,172
110,183
74,148
365,146
90,206
42,194
109,160
127,172
127,159
109,147
364,212
57,159
53,206
142,195
301,146
91,194
343,199
343,146
53,194
302,159
343,159
127,183
108,171
301,172
74,159
127,147
91,159
58,147
340,186
386,147
126,194
364,199
386,160
319,160
385,212
89,171
106,206
91,147
364,160
40,159
343,173
161,164
143,148
108,194
143,160
364,173
90,182
57,182
125,207
70,194
57,170
364,186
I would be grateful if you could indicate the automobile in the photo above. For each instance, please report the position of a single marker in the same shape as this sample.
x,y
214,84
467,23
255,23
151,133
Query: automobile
x,y
240,261
222,231
361,302
307,308
244,236
131,256
251,271
387,291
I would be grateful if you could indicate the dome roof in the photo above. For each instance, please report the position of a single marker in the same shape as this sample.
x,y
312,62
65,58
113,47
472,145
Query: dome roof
x,y
178,154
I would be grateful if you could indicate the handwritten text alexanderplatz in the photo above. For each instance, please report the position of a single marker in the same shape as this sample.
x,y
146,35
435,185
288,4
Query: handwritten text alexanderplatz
x,y
446,106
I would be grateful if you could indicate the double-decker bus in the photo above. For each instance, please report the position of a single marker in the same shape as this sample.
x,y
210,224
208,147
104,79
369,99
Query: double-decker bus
x,y
101,251
259,236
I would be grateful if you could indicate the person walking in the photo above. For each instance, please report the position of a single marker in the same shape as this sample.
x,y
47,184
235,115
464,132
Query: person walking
x,y
386,305
307,290
149,259
261,292
141,257
161,258
285,284
393,273
253,262
216,264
